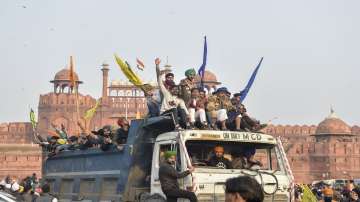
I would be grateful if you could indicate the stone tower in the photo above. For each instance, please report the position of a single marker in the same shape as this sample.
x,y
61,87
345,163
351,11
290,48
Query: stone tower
x,y
63,105
337,150
105,71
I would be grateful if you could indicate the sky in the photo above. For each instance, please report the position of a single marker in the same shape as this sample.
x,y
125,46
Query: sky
x,y
310,50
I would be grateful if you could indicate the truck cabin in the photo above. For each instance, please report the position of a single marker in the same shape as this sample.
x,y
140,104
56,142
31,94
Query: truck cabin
x,y
196,147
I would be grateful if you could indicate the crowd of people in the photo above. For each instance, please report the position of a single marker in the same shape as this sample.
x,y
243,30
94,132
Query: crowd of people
x,y
107,138
27,189
328,193
193,107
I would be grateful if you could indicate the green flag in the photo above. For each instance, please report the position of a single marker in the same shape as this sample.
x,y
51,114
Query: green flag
x,y
32,119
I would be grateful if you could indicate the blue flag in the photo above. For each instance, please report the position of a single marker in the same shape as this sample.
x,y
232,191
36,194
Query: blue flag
x,y
245,91
201,70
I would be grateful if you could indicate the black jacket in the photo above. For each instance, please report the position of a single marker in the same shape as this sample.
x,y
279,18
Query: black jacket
x,y
220,162
121,136
168,177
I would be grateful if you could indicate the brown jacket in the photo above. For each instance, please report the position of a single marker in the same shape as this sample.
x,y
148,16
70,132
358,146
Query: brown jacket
x,y
215,103
185,89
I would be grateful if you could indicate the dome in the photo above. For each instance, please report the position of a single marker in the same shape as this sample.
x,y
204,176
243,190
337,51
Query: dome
x,y
209,77
333,125
64,75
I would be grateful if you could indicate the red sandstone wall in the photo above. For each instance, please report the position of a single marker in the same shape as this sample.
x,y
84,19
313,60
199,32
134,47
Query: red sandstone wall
x,y
323,158
20,161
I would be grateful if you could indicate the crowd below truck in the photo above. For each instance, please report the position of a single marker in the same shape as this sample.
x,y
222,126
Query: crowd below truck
x,y
343,190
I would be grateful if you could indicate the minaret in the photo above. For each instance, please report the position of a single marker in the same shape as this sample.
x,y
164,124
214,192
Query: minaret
x,y
167,67
105,71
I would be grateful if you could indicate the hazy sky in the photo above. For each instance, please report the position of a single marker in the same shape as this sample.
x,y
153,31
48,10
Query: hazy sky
x,y
310,49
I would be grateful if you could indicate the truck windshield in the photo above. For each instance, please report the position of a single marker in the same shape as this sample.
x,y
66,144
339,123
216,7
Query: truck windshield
x,y
232,155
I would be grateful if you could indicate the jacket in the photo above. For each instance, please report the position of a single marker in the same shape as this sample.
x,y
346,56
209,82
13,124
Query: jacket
x,y
215,103
185,89
220,162
170,101
168,177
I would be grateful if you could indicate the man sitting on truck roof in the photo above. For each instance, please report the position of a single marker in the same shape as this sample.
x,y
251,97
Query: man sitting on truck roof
x,y
239,120
187,84
168,177
218,106
171,103
218,160
196,107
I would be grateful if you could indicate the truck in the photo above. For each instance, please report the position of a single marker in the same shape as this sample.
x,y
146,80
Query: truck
x,y
132,173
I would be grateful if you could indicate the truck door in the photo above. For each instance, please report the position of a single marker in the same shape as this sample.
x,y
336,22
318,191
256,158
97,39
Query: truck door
x,y
158,158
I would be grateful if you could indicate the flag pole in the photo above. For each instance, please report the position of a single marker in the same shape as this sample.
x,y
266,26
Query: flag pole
x,y
74,85
77,110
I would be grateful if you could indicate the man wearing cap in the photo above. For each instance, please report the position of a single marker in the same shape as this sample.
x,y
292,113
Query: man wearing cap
x,y
171,103
168,177
218,106
218,160
187,84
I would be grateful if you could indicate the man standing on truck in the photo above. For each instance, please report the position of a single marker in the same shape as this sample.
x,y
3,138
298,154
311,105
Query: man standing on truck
x,y
168,179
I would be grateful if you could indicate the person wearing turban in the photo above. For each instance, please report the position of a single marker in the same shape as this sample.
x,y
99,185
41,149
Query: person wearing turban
x,y
218,160
168,177
171,103
187,84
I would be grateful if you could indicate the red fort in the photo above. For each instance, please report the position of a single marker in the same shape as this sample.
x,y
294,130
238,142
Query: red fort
x,y
327,150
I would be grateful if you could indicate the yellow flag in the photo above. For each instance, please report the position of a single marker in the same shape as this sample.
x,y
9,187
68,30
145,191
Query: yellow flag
x,y
133,78
126,69
308,196
91,112
32,119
